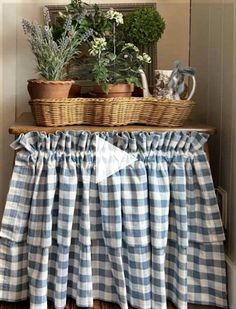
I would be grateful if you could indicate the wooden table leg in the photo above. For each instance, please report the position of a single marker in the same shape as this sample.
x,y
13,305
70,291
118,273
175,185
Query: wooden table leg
x,y
206,149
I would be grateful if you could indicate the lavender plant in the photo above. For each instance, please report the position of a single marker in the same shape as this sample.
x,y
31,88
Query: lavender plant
x,y
54,54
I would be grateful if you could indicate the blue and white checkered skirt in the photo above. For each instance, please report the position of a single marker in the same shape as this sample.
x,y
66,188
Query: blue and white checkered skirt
x,y
148,233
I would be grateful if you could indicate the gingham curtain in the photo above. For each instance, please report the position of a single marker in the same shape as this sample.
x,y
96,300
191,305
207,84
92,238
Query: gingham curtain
x,y
148,233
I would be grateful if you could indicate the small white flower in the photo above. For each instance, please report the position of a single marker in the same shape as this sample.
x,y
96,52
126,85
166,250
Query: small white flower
x,y
115,16
139,57
98,45
126,56
130,46
100,42
146,58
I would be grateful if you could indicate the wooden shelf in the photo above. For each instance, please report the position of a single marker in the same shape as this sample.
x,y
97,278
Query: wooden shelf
x,y
25,123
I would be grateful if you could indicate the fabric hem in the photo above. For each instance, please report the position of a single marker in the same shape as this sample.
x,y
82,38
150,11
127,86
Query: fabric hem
x,y
116,303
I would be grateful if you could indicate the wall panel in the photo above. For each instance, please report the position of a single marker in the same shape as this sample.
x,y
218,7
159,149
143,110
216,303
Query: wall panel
x,y
199,50
216,67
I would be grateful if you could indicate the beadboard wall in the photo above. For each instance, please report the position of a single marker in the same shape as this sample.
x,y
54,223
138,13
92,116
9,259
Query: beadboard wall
x,y
213,53
16,60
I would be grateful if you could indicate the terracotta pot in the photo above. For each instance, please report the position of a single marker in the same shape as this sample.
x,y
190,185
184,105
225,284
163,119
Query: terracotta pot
x,y
116,90
43,89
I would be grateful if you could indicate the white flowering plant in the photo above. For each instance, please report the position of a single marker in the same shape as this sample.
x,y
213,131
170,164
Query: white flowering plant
x,y
52,53
115,61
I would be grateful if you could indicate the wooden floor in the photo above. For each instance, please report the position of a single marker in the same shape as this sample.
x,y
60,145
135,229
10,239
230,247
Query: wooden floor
x,y
97,305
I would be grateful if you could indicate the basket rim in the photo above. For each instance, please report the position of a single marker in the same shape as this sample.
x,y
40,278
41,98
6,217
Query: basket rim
x,y
112,100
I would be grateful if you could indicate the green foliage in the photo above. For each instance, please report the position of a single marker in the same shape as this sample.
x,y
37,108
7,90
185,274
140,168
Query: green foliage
x,y
53,54
121,67
92,18
144,26
114,60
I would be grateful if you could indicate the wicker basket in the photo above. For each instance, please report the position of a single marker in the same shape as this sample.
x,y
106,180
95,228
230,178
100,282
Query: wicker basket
x,y
110,111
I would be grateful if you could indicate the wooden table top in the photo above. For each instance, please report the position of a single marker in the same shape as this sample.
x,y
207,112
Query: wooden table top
x,y
25,123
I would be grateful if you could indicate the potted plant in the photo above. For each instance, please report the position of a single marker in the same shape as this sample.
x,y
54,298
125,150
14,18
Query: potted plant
x,y
116,65
93,18
52,56
143,27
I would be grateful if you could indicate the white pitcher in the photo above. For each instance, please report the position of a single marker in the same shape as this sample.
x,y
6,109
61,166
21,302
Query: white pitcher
x,y
161,88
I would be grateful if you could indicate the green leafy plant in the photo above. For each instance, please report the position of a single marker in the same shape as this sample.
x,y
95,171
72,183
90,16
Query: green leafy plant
x,y
88,17
53,54
114,60
144,26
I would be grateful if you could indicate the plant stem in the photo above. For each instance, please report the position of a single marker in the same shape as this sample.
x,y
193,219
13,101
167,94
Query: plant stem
x,y
114,49
99,58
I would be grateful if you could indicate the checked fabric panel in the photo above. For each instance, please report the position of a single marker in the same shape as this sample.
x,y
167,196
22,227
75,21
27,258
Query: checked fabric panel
x,y
150,232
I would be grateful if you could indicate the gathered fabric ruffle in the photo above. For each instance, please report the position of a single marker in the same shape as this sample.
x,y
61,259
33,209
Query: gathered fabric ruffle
x,y
83,141
126,239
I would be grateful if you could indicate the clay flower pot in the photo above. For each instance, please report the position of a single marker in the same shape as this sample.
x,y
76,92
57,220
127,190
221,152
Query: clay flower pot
x,y
43,89
115,90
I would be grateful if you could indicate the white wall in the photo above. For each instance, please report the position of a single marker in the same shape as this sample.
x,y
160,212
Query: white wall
x,y
16,61
213,53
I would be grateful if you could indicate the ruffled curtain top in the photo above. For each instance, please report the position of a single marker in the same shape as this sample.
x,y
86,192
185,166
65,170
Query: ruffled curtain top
x,y
81,141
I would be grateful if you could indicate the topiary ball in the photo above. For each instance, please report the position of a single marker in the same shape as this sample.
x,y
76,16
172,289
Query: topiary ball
x,y
143,26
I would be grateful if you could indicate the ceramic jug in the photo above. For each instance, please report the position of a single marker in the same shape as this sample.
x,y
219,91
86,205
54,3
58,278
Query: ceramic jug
x,y
169,84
